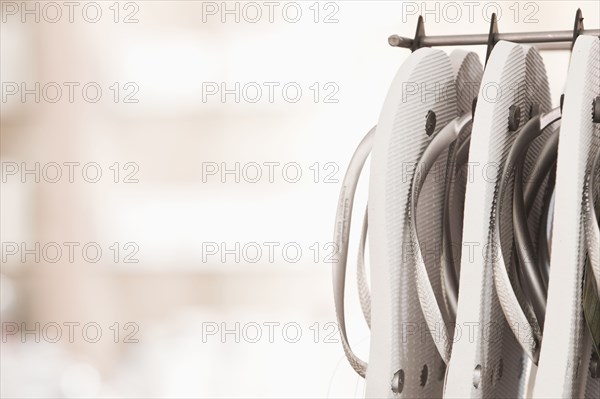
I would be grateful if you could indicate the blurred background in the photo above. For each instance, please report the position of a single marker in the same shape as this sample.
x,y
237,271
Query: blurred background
x,y
170,173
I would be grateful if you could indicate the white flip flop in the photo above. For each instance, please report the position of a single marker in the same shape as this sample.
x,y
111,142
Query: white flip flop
x,y
566,346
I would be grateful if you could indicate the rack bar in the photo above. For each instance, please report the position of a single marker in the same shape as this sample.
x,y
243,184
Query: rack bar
x,y
565,36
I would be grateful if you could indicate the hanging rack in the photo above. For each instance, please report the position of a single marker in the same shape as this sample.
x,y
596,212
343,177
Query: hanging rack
x,y
546,40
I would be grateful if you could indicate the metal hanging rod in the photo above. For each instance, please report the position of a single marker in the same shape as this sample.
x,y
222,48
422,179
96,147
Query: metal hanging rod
x,y
565,36
548,40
